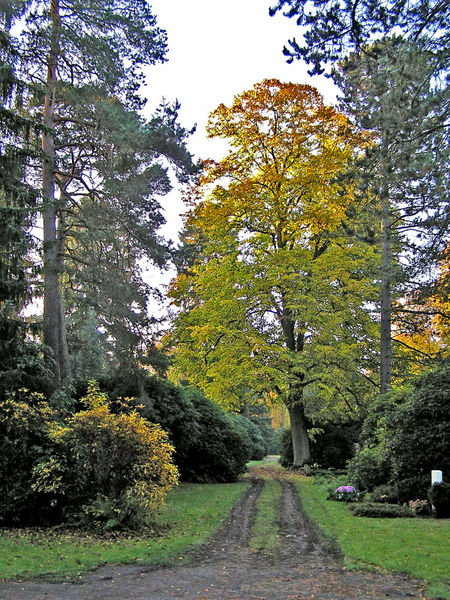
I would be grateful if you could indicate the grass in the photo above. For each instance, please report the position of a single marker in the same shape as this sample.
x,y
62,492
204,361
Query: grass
x,y
419,547
264,534
193,512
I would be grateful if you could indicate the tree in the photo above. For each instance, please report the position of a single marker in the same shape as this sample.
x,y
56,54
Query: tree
x,y
391,84
18,208
272,300
86,63
332,30
389,89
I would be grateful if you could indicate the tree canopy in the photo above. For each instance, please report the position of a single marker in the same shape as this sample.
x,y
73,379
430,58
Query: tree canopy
x,y
273,302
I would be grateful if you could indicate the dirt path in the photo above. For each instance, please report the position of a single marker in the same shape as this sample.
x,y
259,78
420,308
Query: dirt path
x,y
228,570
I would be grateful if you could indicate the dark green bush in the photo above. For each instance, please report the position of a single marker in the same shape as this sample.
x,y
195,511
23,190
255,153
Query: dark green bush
x,y
219,453
251,437
259,416
381,511
369,468
385,494
439,495
418,431
286,449
334,446
412,488
24,422
331,448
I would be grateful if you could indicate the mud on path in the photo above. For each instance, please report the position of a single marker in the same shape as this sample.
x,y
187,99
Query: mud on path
x,y
226,569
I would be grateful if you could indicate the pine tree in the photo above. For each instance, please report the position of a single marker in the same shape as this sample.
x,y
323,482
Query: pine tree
x,y
86,63
390,90
18,201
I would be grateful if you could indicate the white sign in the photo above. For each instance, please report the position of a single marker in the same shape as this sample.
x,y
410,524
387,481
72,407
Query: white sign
x,y
436,477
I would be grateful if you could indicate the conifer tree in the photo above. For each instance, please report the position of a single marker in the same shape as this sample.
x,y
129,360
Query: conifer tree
x,y
395,84
389,89
18,201
86,63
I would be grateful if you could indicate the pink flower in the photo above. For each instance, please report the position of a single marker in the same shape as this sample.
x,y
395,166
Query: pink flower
x,y
345,489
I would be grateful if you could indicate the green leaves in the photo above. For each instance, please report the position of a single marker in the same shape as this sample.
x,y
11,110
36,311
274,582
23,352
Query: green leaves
x,y
276,296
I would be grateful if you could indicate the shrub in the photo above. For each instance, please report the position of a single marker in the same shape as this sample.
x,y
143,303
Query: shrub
x,y
24,422
286,449
412,487
251,437
369,468
208,446
345,493
382,511
418,430
385,494
159,401
219,453
334,446
270,436
420,507
331,448
439,495
117,468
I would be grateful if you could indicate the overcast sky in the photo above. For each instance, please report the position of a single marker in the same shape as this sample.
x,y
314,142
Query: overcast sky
x,y
217,49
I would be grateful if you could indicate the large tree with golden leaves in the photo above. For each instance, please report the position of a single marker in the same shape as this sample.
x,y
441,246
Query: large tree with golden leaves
x,y
272,295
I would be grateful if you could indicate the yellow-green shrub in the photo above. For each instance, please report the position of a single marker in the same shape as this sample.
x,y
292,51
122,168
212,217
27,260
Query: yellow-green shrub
x,y
117,468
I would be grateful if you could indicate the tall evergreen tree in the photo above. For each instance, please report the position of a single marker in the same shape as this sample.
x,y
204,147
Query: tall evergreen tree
x,y
389,89
331,30
18,201
397,87
86,62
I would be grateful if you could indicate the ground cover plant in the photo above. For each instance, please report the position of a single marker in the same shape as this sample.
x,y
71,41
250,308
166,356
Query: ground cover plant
x,y
416,546
191,515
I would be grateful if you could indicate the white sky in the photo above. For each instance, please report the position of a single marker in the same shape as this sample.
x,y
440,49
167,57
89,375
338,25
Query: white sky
x,y
217,49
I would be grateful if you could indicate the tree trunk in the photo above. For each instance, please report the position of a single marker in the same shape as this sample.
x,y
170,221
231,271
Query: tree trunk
x,y
54,328
385,341
300,442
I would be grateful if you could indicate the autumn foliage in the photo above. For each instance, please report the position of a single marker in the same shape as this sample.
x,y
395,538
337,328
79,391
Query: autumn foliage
x,y
114,470
272,290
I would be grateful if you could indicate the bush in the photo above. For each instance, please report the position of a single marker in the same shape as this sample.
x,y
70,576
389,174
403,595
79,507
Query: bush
x,y
420,507
24,422
412,487
219,454
161,402
345,493
439,495
331,448
334,446
369,468
251,437
185,416
385,494
116,468
381,511
418,431
286,449
258,414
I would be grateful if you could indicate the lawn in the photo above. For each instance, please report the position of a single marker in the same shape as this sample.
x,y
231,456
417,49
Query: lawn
x,y
193,512
419,547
